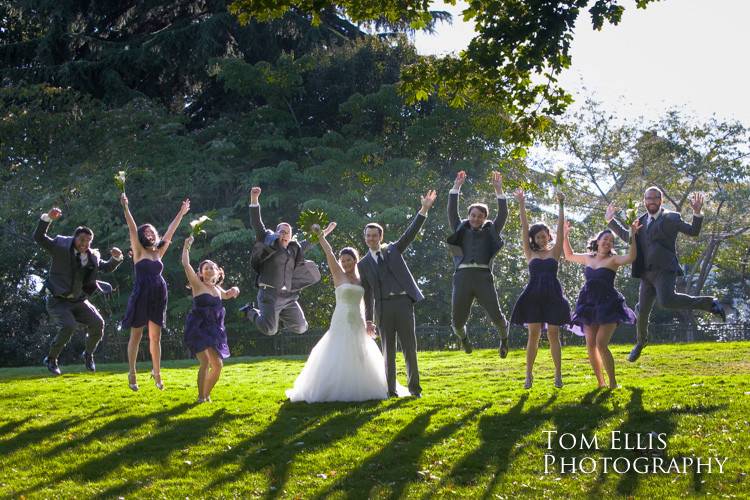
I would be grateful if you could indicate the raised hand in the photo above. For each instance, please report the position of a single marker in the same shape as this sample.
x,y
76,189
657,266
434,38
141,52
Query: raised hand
x,y
696,202
610,212
189,241
254,194
497,182
185,207
635,227
124,200
428,199
519,195
560,198
54,213
116,253
315,228
460,178
329,228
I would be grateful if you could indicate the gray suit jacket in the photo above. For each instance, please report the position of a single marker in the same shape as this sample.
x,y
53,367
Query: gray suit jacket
x,y
459,227
393,258
656,246
266,245
60,280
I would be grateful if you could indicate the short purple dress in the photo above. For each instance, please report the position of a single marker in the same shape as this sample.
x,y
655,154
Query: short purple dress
x,y
148,301
204,325
542,301
599,303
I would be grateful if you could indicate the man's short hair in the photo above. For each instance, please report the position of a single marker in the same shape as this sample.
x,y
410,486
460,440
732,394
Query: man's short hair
x,y
374,225
654,188
83,229
480,206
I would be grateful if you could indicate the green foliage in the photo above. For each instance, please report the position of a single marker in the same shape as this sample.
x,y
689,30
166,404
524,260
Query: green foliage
x,y
512,63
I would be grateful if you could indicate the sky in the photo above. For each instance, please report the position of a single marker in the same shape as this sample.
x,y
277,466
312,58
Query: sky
x,y
676,53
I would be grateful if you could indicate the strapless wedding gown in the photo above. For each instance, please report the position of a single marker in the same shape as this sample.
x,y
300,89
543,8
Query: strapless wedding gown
x,y
346,364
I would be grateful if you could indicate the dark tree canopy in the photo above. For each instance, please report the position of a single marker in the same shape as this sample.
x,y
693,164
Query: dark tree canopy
x,y
520,48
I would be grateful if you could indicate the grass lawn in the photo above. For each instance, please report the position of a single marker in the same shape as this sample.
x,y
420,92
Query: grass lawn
x,y
476,433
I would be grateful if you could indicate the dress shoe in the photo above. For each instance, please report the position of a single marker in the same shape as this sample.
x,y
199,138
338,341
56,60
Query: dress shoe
x,y
503,348
392,394
157,380
51,364
465,344
132,382
716,308
636,352
88,360
417,396
248,311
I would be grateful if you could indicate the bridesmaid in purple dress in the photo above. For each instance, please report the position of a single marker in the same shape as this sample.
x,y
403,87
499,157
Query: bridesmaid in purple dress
x,y
600,307
542,301
205,334
147,305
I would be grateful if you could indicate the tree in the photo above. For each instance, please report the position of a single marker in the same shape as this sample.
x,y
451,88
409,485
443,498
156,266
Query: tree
x,y
520,48
610,161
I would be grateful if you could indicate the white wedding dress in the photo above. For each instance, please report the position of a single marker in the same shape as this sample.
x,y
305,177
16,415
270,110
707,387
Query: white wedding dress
x,y
345,364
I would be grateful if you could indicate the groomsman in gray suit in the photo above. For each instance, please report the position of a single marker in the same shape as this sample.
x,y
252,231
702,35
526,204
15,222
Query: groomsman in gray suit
x,y
390,294
72,278
473,244
282,271
657,265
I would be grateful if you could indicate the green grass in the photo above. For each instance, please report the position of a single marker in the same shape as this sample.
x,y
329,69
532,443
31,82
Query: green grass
x,y
476,433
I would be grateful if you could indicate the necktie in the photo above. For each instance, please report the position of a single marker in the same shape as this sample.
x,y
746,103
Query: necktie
x,y
78,259
380,259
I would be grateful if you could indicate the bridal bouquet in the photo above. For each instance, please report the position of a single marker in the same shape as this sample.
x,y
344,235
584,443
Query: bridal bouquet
x,y
120,180
196,226
311,222
631,212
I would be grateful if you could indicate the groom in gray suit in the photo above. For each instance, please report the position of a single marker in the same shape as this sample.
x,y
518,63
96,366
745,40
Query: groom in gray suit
x,y
72,278
656,264
390,294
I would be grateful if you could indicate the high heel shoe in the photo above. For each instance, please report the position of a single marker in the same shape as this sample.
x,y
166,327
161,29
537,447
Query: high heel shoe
x,y
157,380
558,381
529,382
132,383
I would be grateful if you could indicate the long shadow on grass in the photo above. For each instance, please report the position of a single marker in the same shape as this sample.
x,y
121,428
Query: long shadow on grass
x,y
296,428
118,428
501,435
641,421
151,449
34,435
9,427
397,462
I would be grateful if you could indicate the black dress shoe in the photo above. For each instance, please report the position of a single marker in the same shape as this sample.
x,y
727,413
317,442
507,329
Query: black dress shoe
x,y
417,396
51,365
636,352
465,344
88,360
716,308
503,348
392,394
248,310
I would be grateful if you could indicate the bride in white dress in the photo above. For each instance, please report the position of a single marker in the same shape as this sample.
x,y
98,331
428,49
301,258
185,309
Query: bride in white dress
x,y
346,364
